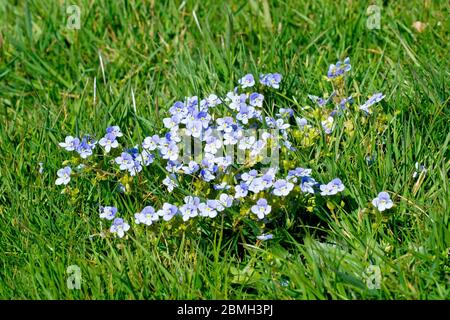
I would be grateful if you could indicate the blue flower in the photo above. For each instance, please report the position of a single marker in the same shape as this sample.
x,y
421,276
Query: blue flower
x,y
115,130
307,184
285,113
191,168
125,161
256,99
147,216
320,102
282,187
41,167
261,208
119,227
265,237
377,97
301,122
168,211
63,176
151,143
271,80
247,81
145,158
339,69
84,149
327,125
170,182
208,209
70,143
190,208
109,141
135,168
332,187
225,201
108,213
241,190
419,169
382,201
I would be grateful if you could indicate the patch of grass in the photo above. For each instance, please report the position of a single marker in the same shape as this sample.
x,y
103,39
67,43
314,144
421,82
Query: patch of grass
x,y
165,51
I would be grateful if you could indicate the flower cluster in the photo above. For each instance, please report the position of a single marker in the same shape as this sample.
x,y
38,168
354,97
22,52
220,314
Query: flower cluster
x,y
222,142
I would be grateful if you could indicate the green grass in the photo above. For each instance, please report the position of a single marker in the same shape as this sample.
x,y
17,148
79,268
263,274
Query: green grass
x,y
165,51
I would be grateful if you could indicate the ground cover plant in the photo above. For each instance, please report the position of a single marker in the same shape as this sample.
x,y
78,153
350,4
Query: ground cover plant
x,y
212,150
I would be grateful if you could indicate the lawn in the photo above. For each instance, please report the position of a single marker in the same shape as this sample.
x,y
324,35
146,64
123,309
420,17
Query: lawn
x,y
126,65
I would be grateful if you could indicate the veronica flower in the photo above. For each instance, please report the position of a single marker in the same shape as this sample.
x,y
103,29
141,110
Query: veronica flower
x,y
339,69
247,81
223,162
225,201
207,175
344,102
265,237
300,172
84,149
41,167
208,209
204,118
173,166
125,161
170,152
212,100
246,143
249,176
115,130
191,168
229,139
271,80
282,187
192,103
307,184
172,122
222,186
241,190
108,212
261,208
63,176
382,201
419,168
377,97
119,227
194,128
332,187
301,122
267,180
256,99
168,211
235,100
190,208
151,143
70,143
91,142
137,167
145,158
109,141
257,148
169,182
178,108
147,216
285,113
256,185
212,145
225,124
327,125
280,125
